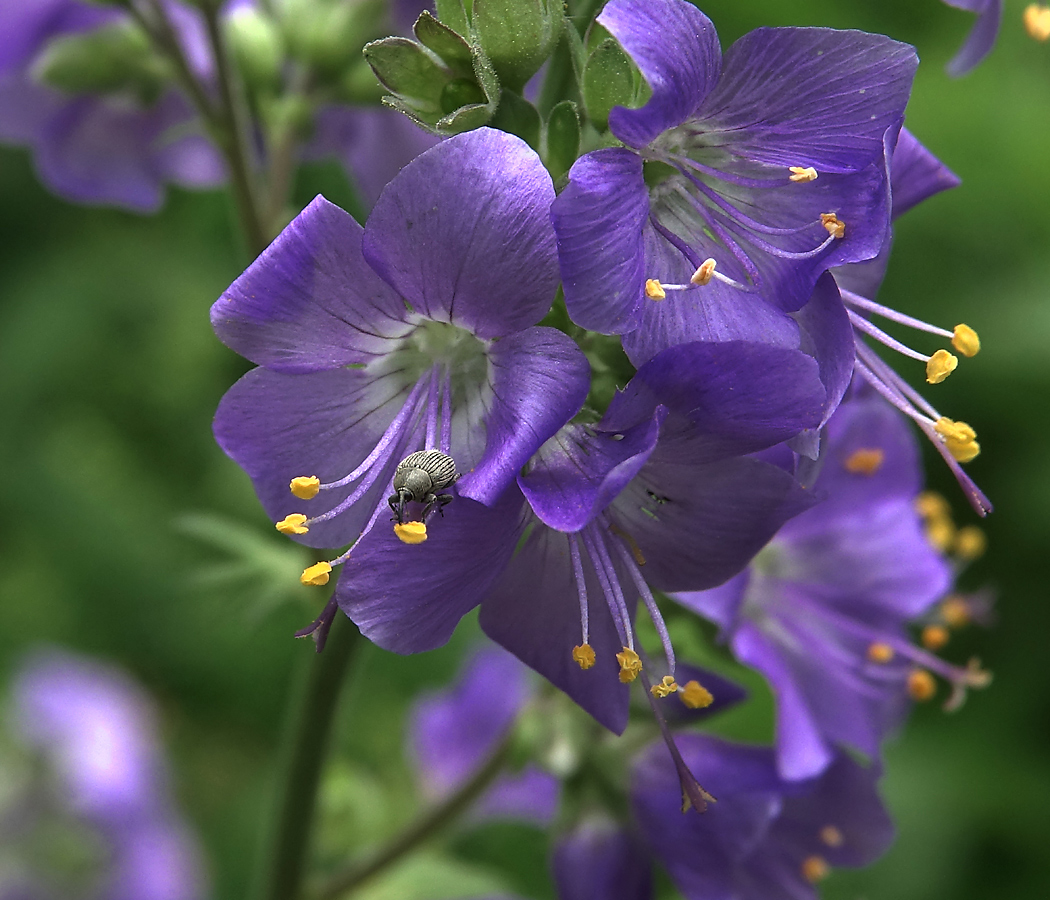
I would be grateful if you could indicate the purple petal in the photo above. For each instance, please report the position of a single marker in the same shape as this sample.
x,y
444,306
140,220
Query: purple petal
x,y
676,48
982,36
726,693
464,235
601,861
599,219
916,174
310,301
539,379
531,795
409,598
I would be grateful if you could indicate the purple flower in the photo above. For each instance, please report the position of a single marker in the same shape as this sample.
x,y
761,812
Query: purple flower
x,y
728,201
599,860
765,839
96,733
111,149
823,611
453,732
982,36
414,333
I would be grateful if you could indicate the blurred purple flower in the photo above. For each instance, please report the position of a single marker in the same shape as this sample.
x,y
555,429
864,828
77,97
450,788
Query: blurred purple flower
x,y
982,36
600,860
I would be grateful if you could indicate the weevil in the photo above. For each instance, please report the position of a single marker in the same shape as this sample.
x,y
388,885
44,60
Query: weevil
x,y
420,477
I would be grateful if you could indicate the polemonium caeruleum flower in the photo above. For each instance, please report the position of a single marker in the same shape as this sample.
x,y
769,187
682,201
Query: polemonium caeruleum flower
x,y
453,732
765,839
743,178
115,148
982,36
823,611
104,786
414,333
601,860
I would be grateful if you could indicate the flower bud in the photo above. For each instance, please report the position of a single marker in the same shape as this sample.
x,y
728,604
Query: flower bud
x,y
517,36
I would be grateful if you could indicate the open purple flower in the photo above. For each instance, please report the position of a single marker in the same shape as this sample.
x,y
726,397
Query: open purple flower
x,y
823,611
765,839
742,180
415,333
982,36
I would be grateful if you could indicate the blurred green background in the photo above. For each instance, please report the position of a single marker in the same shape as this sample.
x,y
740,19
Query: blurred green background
x,y
127,534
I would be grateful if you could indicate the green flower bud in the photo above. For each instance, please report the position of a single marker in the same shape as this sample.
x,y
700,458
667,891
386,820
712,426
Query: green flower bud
x,y
328,35
517,36
257,46
563,138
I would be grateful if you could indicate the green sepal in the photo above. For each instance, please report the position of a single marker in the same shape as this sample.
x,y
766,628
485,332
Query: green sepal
x,y
453,50
454,15
563,138
411,73
608,81
516,115
518,36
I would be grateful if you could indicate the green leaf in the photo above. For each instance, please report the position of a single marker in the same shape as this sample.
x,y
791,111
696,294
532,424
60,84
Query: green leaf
x,y
608,81
563,138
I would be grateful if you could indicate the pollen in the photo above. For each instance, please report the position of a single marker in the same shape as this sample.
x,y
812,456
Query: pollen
x,y
940,366
831,836
834,225
965,340
815,868
665,688
931,505
879,652
704,273
630,665
959,438
934,637
921,686
411,532
970,543
941,533
305,487
695,696
1037,21
955,611
654,290
865,461
583,656
293,524
802,173
316,575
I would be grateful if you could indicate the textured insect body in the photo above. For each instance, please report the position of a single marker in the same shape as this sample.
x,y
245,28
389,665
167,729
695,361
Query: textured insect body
x,y
420,477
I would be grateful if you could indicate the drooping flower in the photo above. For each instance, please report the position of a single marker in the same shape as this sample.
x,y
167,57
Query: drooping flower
x,y
981,39
104,787
415,333
741,180
823,611
766,838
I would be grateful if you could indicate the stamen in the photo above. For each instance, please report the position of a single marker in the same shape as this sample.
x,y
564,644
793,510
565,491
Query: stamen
x,y
583,656
959,438
934,637
815,868
432,411
411,532
650,605
955,611
606,572
931,505
581,591
630,665
446,414
665,688
316,575
921,685
1037,21
940,366
295,523
654,290
305,487
704,273
831,836
879,652
834,225
865,461
965,340
970,543
800,174
695,696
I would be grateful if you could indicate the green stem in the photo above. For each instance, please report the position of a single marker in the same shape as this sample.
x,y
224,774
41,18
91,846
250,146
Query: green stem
x,y
426,826
307,744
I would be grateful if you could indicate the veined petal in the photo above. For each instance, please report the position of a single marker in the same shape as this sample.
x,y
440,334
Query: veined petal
x,y
310,302
539,380
599,219
676,48
810,97
482,258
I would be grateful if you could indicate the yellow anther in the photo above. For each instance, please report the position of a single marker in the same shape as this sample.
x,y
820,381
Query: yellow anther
x,y
940,533
293,524
1037,21
411,532
959,438
955,611
834,225
970,543
654,290
316,575
931,505
831,836
583,656
934,637
879,652
665,688
802,173
965,340
921,686
305,487
865,461
940,366
704,273
695,695
815,868
630,665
